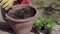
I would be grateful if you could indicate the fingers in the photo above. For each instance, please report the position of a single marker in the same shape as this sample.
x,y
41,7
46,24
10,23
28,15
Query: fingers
x,y
15,0
8,3
9,6
3,1
0,0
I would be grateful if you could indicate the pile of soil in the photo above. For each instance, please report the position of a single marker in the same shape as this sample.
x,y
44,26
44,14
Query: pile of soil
x,y
23,13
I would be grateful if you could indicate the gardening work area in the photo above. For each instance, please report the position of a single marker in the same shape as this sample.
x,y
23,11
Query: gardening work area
x,y
48,21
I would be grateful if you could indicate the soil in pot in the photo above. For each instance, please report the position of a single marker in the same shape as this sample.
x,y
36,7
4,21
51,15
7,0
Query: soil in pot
x,y
23,13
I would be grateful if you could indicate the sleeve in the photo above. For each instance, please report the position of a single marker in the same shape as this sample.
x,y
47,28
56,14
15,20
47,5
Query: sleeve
x,y
24,1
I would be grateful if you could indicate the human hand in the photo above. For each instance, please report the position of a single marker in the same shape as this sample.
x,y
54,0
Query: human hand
x,y
6,4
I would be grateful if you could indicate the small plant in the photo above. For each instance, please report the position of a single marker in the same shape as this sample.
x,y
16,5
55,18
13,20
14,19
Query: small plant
x,y
45,23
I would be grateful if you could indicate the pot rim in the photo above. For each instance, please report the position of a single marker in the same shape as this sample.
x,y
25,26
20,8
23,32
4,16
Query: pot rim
x,y
23,20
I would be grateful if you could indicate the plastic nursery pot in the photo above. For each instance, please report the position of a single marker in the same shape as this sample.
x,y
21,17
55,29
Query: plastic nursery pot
x,y
22,26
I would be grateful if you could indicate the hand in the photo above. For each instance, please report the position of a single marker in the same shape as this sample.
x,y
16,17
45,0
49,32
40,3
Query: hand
x,y
6,4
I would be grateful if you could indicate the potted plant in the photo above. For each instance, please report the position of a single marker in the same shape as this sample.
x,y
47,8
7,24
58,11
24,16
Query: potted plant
x,y
21,18
44,24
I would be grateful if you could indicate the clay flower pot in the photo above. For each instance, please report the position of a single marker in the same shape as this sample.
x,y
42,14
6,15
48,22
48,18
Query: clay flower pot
x,y
21,26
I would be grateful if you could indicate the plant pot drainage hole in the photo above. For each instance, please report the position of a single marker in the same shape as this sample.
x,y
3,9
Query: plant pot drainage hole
x,y
23,13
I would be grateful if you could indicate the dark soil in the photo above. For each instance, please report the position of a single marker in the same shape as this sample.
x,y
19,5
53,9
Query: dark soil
x,y
23,13
43,30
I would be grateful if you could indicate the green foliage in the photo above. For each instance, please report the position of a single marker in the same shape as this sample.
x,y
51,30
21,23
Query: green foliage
x,y
45,21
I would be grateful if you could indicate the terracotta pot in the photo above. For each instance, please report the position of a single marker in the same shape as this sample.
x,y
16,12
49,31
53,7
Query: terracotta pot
x,y
21,26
